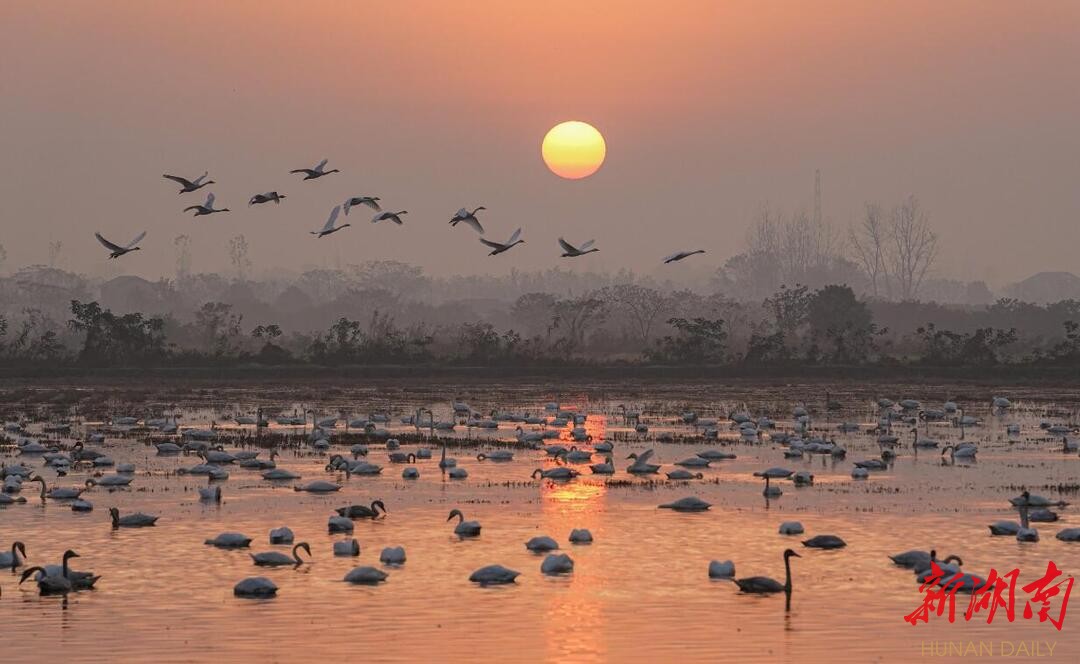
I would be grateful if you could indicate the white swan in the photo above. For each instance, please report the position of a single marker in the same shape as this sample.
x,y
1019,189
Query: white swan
x,y
134,520
349,547
721,570
365,575
557,563
469,218
11,559
318,486
230,540
389,216
118,250
190,185
255,586
317,172
581,536
764,584
329,227
688,504
493,575
370,201
207,207
464,528
282,535
679,255
500,247
277,558
259,199
541,544
392,555
570,251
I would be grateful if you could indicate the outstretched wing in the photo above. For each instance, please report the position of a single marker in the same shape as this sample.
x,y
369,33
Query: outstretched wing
x,y
370,202
183,182
673,257
461,214
588,245
474,223
567,247
134,242
493,245
209,200
514,237
319,166
645,456
108,245
333,218
200,178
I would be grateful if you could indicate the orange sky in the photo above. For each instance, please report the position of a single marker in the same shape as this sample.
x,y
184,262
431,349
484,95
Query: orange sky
x,y
709,109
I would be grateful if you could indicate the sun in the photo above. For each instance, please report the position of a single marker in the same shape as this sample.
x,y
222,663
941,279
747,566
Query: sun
x,y
573,150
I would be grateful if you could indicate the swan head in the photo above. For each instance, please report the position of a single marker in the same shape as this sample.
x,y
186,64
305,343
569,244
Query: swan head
x,y
30,570
536,472
71,554
956,558
481,456
633,455
789,553
90,482
456,512
302,545
20,546
379,504
114,513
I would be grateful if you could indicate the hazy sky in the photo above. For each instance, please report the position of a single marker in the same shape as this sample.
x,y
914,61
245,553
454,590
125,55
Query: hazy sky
x,y
710,109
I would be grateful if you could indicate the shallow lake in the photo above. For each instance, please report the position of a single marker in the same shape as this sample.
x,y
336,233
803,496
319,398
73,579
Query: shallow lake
x,y
639,592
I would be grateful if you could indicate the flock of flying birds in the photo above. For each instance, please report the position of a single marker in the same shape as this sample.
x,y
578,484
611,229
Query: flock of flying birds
x,y
331,226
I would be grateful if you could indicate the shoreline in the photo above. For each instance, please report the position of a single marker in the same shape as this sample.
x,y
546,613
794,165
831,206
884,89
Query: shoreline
x,y
251,373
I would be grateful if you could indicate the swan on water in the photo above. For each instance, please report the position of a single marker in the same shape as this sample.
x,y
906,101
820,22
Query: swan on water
x,y
580,536
764,584
340,524
825,542
556,473
464,528
280,474
230,540
363,511
458,473
410,473
318,486
255,586
493,575
277,558
349,547
11,559
134,520
688,504
365,575
791,528
557,563
682,474
282,535
721,570
392,555
541,544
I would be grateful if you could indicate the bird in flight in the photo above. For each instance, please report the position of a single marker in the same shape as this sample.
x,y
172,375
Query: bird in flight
x,y
389,216
370,201
329,227
206,208
259,199
189,185
117,250
469,218
317,172
678,256
499,247
570,251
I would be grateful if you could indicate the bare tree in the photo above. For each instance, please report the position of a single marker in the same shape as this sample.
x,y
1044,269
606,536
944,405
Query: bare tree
x,y
641,304
238,254
183,256
914,248
870,240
